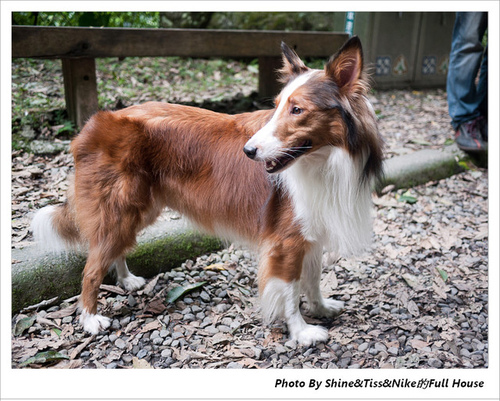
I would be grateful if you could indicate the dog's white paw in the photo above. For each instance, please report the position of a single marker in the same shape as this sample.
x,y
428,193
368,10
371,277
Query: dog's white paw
x,y
131,282
94,323
311,335
328,308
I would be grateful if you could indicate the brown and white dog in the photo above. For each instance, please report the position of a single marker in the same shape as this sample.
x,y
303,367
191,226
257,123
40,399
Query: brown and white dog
x,y
292,181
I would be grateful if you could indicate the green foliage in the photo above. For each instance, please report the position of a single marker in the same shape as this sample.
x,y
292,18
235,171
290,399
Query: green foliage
x,y
287,21
442,273
177,292
23,324
406,197
45,357
107,19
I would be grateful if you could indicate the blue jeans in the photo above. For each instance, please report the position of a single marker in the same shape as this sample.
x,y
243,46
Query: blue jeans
x,y
466,100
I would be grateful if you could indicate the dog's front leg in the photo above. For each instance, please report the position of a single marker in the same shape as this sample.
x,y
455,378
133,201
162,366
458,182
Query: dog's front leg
x,y
310,285
279,285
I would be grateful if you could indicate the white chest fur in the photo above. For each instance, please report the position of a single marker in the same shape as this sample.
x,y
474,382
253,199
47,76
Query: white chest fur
x,y
329,200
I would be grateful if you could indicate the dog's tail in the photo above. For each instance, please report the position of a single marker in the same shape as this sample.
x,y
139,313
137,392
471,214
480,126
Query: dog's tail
x,y
55,228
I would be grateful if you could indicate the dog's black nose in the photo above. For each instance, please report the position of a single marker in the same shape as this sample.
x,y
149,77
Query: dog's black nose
x,y
250,151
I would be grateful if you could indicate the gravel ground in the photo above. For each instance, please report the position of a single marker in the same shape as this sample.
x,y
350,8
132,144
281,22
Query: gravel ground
x,y
417,299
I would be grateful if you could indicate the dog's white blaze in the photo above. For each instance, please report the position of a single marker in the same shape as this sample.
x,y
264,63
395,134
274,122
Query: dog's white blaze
x,y
265,140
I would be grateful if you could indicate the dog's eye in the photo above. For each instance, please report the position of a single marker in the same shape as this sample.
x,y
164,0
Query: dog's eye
x,y
296,110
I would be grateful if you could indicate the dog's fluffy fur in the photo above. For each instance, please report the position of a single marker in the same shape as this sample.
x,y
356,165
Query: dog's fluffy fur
x,y
307,188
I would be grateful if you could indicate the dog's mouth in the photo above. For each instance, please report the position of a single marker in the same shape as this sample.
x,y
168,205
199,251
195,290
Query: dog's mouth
x,y
290,154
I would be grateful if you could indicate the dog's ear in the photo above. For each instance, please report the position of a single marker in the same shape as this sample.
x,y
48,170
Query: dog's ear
x,y
345,67
292,64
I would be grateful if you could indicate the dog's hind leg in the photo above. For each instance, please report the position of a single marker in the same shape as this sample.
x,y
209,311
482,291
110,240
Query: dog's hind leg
x,y
310,284
94,272
114,236
125,278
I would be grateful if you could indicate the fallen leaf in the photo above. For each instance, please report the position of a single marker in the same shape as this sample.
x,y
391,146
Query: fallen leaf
x,y
81,347
45,357
155,306
132,325
442,273
413,308
140,363
62,312
149,287
418,344
154,325
23,324
216,266
249,362
112,288
274,336
410,279
483,232
406,197
47,322
328,284
177,292
220,338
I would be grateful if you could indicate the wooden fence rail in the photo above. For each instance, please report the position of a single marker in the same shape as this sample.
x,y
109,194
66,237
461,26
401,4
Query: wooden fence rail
x,y
79,47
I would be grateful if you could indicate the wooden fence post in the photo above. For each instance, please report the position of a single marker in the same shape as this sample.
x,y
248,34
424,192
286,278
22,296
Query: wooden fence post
x,y
80,88
268,83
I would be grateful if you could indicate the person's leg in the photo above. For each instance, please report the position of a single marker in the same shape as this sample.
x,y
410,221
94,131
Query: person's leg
x,y
482,89
464,97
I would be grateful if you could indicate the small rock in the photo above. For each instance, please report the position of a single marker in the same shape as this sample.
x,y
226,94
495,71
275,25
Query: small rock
x,y
205,297
176,335
211,329
119,343
221,308
142,353
166,353
196,309
435,363
189,317
280,349
234,365
363,347
131,301
464,352
223,328
257,352
41,147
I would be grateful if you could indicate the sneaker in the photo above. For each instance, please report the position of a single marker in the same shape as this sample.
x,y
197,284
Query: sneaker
x,y
468,136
